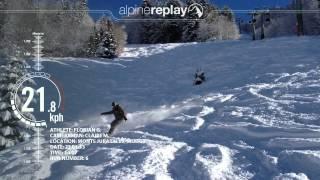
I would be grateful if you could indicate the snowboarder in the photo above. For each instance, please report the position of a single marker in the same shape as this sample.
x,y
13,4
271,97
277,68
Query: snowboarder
x,y
199,77
119,115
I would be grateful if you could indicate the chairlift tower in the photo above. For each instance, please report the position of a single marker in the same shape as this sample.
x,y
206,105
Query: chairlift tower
x,y
240,22
265,18
299,8
253,23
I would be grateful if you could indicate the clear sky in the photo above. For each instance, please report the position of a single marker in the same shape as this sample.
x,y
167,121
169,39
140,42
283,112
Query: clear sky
x,y
114,5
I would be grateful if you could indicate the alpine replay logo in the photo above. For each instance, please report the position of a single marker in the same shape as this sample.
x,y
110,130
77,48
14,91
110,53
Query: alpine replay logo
x,y
196,8
171,10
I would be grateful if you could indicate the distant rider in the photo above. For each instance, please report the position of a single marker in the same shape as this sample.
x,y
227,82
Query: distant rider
x,y
199,77
119,115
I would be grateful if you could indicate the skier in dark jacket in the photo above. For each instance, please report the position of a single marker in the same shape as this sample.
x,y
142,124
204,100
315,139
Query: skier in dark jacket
x,y
199,77
119,115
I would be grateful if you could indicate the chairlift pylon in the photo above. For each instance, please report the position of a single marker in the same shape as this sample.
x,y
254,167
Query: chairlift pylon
x,y
268,17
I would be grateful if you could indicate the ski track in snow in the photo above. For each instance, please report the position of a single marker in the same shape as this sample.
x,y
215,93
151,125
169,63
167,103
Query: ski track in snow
x,y
136,51
260,122
199,120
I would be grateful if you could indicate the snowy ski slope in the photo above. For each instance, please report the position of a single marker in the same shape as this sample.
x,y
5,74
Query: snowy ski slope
x,y
257,116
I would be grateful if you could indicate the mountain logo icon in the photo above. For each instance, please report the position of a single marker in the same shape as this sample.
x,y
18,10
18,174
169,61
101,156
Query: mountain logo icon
x,y
196,8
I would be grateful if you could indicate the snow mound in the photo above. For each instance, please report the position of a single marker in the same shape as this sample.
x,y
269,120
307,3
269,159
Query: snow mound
x,y
217,161
291,176
306,161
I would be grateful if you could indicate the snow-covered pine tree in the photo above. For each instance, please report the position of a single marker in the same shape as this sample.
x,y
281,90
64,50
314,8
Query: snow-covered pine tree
x,y
170,31
148,31
108,46
18,26
108,41
147,27
93,43
3,5
139,31
76,26
192,26
11,131
208,28
227,12
218,26
312,20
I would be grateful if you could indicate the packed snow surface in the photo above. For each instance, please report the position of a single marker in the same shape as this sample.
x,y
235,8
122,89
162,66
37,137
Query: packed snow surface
x,y
256,116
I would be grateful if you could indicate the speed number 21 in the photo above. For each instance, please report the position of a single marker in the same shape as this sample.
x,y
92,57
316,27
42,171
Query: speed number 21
x,y
30,92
